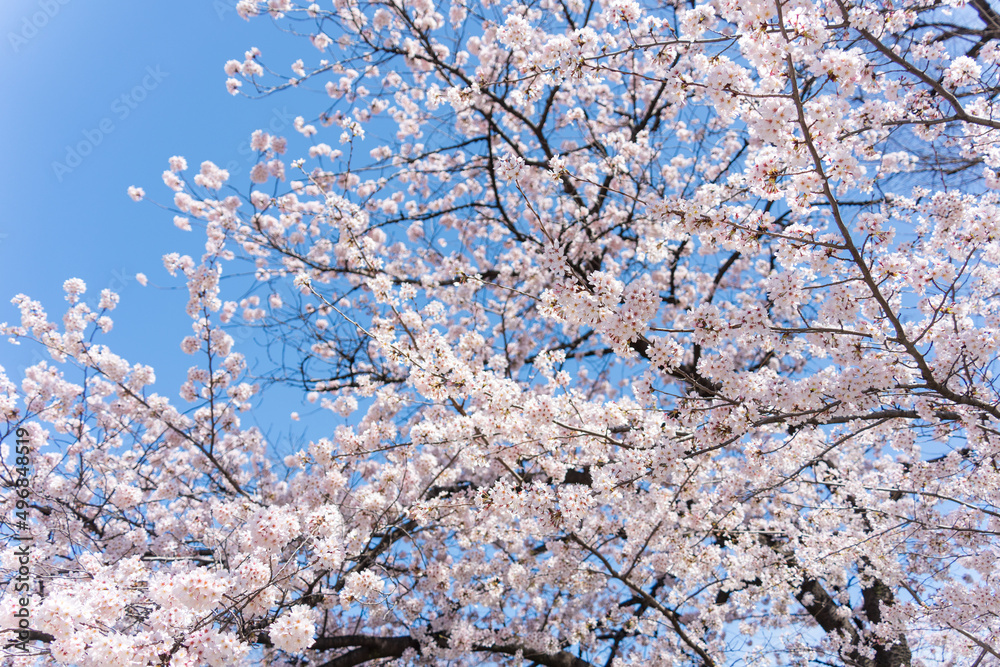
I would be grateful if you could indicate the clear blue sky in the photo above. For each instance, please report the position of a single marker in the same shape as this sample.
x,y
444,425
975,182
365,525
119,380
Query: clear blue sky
x,y
136,82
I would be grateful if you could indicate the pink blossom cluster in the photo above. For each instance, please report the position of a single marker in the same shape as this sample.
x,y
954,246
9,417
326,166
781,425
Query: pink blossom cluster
x,y
624,334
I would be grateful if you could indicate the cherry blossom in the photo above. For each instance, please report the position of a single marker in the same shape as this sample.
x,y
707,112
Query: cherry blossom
x,y
624,333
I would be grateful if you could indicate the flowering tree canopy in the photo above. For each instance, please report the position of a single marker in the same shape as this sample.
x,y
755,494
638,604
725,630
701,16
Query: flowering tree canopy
x,y
656,333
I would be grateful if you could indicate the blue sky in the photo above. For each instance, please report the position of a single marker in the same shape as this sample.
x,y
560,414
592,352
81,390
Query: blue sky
x,y
130,84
